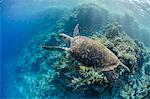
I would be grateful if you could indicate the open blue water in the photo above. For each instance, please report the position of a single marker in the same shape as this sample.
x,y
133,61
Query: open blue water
x,y
20,22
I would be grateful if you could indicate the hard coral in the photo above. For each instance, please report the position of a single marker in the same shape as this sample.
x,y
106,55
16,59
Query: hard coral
x,y
57,74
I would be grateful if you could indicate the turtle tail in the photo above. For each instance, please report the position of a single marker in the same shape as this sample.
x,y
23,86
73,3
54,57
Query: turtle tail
x,y
123,65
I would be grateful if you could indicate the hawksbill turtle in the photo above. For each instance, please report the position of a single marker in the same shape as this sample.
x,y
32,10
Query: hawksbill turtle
x,y
89,52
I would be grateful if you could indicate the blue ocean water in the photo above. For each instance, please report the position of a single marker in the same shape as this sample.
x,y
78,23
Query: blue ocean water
x,y
21,20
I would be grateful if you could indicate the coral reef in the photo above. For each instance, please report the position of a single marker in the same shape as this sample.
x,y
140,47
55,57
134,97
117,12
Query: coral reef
x,y
47,74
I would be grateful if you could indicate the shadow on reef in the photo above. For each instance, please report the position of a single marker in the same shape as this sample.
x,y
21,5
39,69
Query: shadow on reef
x,y
47,74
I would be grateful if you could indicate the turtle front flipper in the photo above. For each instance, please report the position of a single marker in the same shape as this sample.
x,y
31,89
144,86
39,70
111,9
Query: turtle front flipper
x,y
55,48
76,31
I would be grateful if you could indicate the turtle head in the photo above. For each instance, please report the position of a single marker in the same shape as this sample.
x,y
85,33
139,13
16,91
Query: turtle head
x,y
66,38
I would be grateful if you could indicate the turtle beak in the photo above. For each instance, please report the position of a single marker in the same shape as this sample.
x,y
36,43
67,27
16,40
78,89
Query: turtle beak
x,y
61,35
65,37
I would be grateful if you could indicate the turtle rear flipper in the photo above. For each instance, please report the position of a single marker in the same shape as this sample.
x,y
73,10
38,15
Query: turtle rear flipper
x,y
108,68
113,66
123,65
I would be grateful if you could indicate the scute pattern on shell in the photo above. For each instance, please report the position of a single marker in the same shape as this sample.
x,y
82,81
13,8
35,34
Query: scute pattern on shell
x,y
91,53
